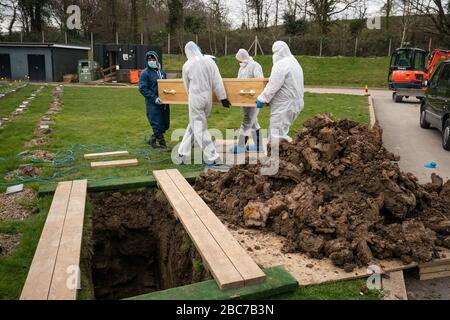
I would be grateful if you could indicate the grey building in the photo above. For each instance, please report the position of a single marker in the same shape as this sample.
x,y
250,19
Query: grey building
x,y
39,61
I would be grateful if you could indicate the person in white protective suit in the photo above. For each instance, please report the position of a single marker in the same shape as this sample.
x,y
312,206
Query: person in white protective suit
x,y
202,79
284,93
250,69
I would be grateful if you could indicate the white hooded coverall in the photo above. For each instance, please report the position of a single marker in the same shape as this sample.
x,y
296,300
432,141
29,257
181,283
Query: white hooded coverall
x,y
250,69
284,92
202,79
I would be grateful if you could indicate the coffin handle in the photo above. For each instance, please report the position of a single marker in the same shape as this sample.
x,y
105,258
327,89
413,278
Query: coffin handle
x,y
170,92
247,93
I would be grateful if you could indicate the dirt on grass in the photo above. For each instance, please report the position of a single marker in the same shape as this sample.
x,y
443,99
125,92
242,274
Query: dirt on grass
x,y
24,171
139,247
42,131
17,206
37,142
9,243
42,155
338,193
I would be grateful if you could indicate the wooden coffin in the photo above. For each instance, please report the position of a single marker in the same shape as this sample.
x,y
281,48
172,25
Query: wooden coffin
x,y
240,92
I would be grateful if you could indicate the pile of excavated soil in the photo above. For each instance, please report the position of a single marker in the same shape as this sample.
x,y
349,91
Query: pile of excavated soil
x,y
8,243
27,171
42,155
42,132
37,142
138,246
17,206
338,193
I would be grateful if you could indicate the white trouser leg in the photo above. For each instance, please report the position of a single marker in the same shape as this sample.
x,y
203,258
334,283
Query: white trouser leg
x,y
199,110
249,124
186,144
280,124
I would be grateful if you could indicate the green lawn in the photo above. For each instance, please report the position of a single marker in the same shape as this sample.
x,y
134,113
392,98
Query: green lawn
x,y
16,133
325,71
343,290
108,119
104,119
7,86
12,101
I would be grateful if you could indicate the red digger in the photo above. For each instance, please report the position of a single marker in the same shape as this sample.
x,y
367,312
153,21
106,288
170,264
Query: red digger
x,y
409,71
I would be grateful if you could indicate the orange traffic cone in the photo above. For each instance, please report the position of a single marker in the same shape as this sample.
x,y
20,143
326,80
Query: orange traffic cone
x,y
366,91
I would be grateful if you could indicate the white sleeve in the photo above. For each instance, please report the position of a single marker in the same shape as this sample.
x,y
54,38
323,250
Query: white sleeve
x,y
276,81
258,72
240,76
186,77
218,87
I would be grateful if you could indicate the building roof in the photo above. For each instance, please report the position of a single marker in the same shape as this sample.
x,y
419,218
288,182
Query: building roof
x,y
42,45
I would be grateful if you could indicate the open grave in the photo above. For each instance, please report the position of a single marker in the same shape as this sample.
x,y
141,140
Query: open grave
x,y
130,244
138,247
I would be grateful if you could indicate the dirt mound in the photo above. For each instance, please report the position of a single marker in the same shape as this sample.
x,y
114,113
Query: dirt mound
x,y
17,206
340,194
37,142
42,155
25,171
8,243
42,131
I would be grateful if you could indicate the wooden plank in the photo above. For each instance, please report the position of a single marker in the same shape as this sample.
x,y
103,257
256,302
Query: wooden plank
x,y
434,275
437,262
220,266
118,183
245,265
67,271
40,275
307,270
106,154
394,286
115,163
438,268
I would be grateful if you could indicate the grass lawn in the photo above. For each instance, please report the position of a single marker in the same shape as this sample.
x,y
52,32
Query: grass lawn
x,y
16,133
7,86
12,101
104,119
343,290
111,119
324,71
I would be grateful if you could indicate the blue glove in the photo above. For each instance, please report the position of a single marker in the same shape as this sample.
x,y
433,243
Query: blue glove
x,y
158,101
431,165
259,104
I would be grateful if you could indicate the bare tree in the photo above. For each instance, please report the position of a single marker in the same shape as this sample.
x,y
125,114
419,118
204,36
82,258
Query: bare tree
x,y
9,9
388,9
257,6
277,8
437,11
216,22
407,10
324,10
